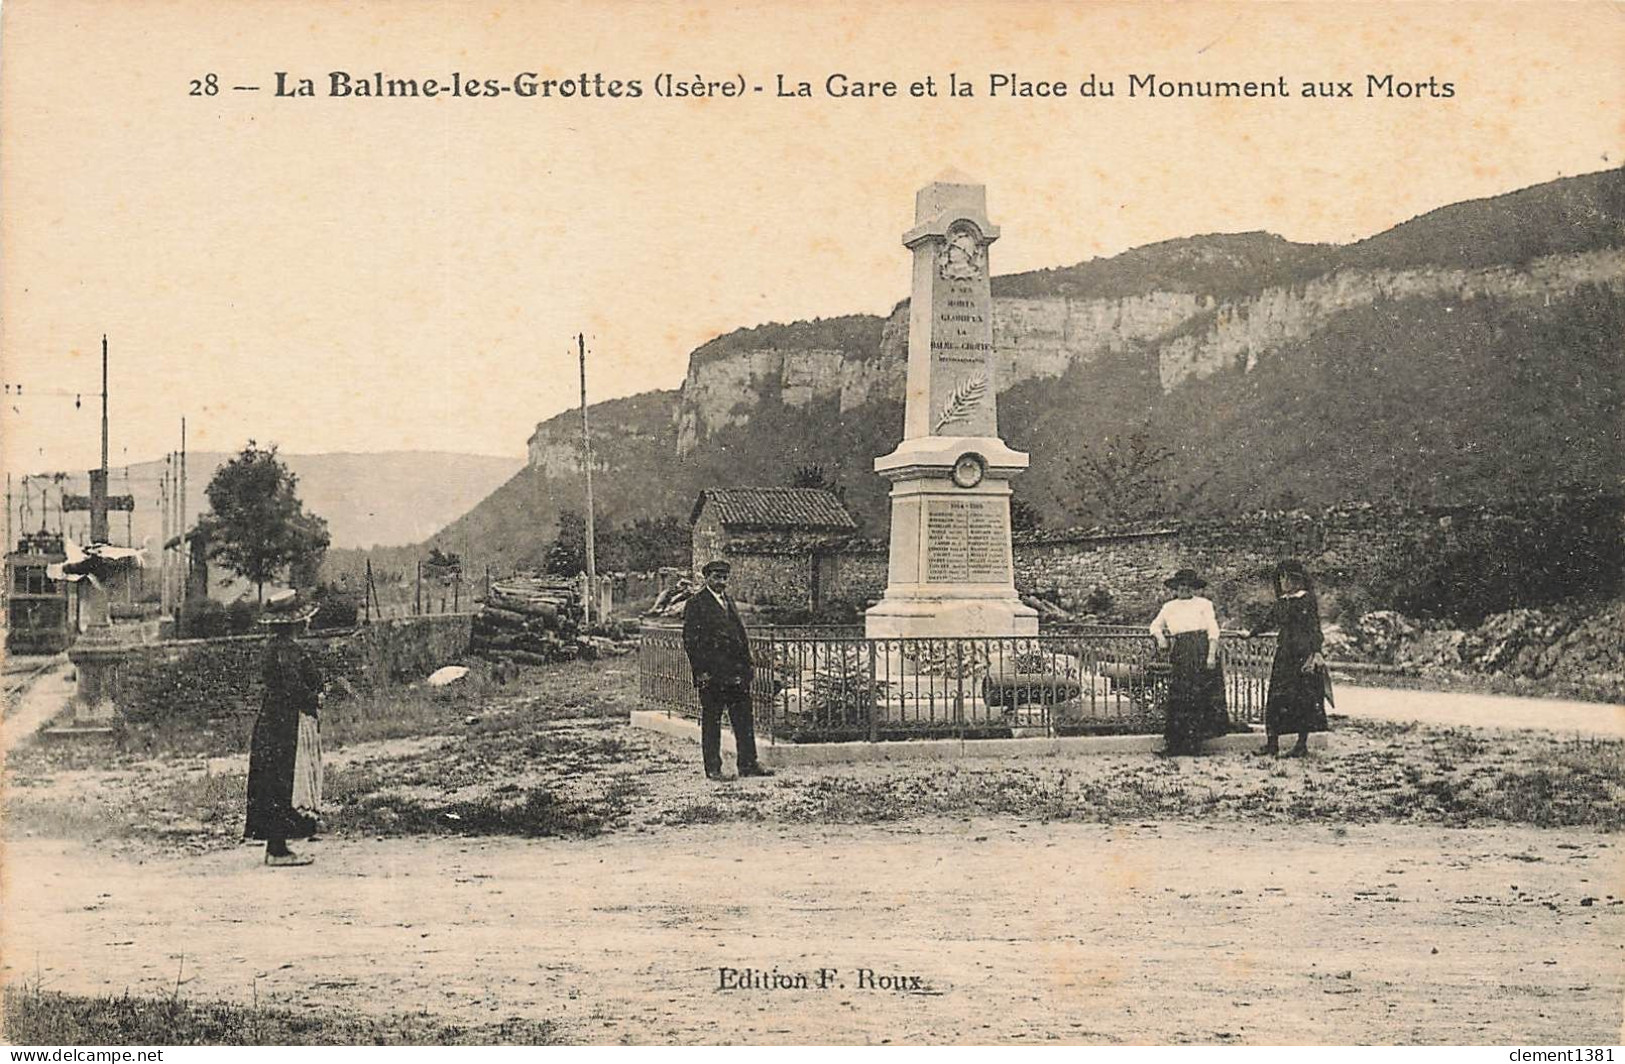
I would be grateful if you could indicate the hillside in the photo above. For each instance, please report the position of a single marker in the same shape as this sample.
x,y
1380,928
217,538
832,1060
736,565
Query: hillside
x,y
1470,353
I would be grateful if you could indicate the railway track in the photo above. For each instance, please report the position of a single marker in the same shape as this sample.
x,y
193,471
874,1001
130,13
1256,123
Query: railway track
x,y
17,683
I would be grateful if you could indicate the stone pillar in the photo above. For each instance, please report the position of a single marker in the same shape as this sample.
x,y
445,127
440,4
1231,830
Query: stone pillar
x,y
97,658
951,571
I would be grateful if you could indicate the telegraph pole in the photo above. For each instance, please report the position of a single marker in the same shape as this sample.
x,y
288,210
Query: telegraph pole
x,y
98,477
174,530
163,549
182,532
186,546
104,405
586,465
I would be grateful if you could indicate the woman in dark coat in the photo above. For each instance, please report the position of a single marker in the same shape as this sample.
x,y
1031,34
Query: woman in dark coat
x,y
1297,693
284,761
1187,630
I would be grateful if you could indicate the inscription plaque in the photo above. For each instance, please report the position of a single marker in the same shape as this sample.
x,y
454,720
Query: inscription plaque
x,y
964,541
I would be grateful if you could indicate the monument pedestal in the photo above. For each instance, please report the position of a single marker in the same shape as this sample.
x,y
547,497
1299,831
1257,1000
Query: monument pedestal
x,y
951,571
98,659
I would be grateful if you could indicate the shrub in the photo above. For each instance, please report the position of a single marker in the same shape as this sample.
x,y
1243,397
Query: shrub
x,y
1491,565
338,608
1099,602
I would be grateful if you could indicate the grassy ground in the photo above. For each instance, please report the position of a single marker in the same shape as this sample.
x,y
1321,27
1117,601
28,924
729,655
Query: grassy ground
x,y
45,1018
551,754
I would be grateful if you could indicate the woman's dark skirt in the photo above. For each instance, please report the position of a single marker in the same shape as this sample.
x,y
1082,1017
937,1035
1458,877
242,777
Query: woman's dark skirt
x,y
273,750
1196,705
1296,701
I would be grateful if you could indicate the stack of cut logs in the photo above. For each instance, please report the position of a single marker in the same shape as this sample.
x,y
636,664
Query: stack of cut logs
x,y
529,620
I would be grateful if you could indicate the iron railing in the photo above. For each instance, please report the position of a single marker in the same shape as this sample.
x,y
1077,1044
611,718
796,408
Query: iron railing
x,y
832,685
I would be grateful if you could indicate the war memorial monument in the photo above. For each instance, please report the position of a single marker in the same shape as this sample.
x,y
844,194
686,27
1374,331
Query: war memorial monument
x,y
950,570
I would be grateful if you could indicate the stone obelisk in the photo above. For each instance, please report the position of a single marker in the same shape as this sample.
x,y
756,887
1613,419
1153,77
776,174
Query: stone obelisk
x,y
950,569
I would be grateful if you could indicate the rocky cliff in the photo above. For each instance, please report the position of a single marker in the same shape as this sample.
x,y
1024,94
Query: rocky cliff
x,y
1237,332
636,428
1188,335
1429,362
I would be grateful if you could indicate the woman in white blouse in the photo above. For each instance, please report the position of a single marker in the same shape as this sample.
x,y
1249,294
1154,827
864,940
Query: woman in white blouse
x,y
1187,631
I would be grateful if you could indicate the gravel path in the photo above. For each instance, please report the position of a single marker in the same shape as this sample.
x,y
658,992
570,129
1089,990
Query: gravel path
x,y
1016,933
1449,708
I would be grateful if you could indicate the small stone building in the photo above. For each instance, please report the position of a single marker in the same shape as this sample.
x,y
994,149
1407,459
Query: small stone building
x,y
784,544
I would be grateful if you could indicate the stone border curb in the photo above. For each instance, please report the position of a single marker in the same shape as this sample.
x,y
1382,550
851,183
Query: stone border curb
x,y
788,755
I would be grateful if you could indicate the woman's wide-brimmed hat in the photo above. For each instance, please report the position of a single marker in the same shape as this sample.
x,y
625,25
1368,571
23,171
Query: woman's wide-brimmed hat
x,y
287,607
1185,578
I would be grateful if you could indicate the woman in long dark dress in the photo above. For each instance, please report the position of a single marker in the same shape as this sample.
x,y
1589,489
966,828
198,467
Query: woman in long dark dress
x,y
284,761
1297,694
1187,630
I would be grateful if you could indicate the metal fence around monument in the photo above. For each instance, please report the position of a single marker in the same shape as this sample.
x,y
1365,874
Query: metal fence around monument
x,y
833,685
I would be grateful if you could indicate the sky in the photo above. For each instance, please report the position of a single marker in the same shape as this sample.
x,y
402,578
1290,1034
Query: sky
x,y
362,274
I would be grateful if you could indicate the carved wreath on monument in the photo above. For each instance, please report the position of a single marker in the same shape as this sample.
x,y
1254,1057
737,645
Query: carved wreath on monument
x,y
963,256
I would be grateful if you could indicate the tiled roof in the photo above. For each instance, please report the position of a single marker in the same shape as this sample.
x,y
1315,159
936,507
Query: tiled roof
x,y
775,508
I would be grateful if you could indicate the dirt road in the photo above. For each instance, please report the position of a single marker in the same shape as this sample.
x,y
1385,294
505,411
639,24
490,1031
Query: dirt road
x,y
1594,720
1072,932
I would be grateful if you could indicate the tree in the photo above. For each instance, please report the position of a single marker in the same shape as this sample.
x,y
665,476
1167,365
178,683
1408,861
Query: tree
x,y
647,545
811,475
256,525
444,566
568,554
1121,478
1024,516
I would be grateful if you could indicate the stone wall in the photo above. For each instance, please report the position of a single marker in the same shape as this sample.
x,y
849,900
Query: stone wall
x,y
1348,549
855,574
210,679
708,538
780,571
770,579
1129,567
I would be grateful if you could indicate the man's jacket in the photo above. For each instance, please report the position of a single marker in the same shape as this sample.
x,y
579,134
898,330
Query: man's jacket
x,y
714,636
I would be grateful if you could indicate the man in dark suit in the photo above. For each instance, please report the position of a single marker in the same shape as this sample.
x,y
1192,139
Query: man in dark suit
x,y
719,657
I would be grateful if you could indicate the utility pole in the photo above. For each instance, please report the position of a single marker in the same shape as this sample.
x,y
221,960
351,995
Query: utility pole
x,y
182,531
163,549
104,404
185,546
98,477
176,566
586,465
